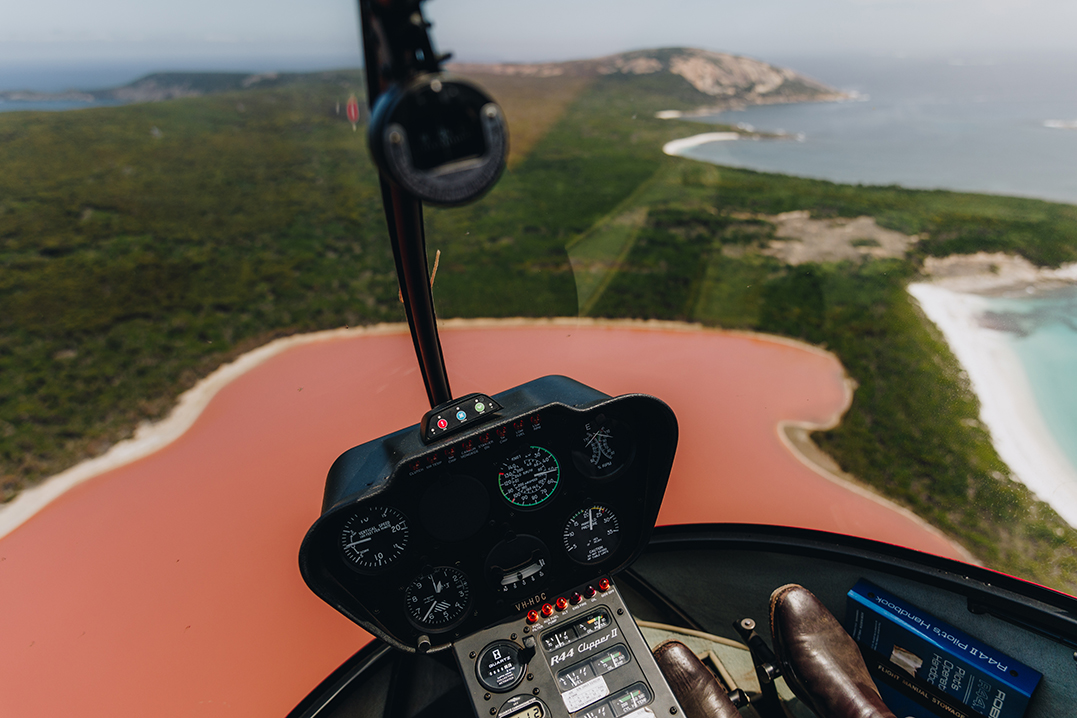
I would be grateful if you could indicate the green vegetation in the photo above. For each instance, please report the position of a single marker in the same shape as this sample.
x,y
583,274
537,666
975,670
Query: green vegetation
x,y
141,246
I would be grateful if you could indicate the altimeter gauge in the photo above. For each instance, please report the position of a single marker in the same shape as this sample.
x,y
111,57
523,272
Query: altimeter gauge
x,y
592,534
438,599
373,538
604,446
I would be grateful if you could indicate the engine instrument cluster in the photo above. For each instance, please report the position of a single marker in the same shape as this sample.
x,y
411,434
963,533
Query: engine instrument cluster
x,y
422,544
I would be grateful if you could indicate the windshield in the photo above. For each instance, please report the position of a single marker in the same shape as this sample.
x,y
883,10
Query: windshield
x,y
837,239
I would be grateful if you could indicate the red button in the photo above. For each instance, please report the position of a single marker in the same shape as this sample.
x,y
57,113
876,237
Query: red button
x,y
604,585
532,616
562,603
575,598
547,610
590,592
442,423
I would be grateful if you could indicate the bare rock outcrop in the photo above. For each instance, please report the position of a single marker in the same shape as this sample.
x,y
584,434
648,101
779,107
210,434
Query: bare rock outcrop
x,y
730,79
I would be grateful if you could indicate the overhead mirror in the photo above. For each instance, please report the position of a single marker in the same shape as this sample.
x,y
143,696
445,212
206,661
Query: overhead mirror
x,y
441,138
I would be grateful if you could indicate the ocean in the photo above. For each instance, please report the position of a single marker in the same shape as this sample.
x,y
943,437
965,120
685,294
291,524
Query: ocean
x,y
992,125
58,76
996,126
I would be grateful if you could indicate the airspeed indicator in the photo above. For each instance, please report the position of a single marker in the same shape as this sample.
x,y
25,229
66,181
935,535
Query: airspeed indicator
x,y
529,477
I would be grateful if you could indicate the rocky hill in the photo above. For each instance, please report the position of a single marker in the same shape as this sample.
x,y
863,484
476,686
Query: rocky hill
x,y
713,79
729,80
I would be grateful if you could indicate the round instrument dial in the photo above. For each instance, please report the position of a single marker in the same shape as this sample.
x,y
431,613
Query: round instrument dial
x,y
374,537
592,534
498,667
529,477
438,599
604,446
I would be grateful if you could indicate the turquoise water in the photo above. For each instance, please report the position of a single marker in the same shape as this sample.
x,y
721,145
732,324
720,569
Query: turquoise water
x,y
1043,333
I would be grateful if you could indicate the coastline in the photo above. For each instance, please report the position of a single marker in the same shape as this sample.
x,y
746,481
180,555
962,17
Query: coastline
x,y
151,437
1007,404
675,147
901,526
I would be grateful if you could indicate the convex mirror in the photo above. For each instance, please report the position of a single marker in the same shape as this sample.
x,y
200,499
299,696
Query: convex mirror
x,y
441,138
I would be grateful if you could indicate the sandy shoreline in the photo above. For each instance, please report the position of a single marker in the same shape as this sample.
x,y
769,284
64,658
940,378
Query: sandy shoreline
x,y
152,438
675,147
1007,404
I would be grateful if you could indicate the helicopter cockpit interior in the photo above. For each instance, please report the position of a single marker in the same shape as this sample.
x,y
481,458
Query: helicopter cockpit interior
x,y
498,540
480,545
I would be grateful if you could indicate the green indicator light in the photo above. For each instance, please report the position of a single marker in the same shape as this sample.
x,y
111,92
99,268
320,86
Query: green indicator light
x,y
480,407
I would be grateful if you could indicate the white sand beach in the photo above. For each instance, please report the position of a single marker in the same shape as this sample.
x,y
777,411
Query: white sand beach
x,y
677,146
1007,405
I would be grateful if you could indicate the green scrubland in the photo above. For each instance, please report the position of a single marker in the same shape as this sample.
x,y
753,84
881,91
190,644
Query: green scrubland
x,y
141,246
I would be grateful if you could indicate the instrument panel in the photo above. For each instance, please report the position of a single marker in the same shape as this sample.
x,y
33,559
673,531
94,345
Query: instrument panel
x,y
422,544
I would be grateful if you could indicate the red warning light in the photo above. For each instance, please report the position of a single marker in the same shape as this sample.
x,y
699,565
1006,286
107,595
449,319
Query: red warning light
x,y
353,111
532,616
562,603
442,424
604,585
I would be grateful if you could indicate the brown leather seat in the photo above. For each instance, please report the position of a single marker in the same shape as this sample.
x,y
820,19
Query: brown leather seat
x,y
820,661
700,695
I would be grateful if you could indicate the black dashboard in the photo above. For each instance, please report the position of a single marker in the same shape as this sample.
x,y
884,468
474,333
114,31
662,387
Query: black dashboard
x,y
423,543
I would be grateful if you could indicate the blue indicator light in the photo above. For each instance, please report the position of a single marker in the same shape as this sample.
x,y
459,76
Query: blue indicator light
x,y
461,415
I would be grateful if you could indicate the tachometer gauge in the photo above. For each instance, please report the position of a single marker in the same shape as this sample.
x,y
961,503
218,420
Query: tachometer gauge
x,y
604,447
529,478
438,599
374,537
592,534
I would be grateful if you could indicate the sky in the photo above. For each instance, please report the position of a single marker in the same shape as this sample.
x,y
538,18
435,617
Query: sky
x,y
309,34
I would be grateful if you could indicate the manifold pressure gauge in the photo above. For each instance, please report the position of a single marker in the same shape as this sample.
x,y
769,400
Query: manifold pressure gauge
x,y
592,534
441,138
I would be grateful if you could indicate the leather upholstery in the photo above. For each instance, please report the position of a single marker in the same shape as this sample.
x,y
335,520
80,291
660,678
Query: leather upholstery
x,y
820,661
696,689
